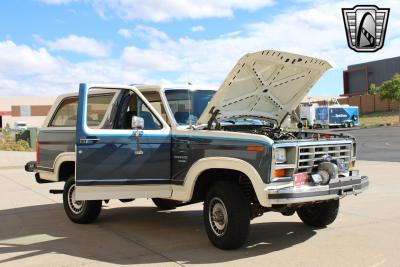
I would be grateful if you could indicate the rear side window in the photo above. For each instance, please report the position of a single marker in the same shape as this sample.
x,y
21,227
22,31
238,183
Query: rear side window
x,y
65,115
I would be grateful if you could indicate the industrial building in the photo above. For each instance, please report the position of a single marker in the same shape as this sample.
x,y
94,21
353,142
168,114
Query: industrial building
x,y
359,77
29,109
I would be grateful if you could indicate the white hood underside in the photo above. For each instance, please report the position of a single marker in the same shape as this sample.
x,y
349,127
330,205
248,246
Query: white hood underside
x,y
266,84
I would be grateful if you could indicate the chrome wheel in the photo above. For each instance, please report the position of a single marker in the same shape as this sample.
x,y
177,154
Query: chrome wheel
x,y
75,206
218,216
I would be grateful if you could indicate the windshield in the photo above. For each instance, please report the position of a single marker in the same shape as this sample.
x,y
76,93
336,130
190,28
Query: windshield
x,y
187,105
244,121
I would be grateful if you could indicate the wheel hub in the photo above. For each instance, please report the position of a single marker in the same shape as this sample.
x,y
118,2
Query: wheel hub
x,y
76,206
218,216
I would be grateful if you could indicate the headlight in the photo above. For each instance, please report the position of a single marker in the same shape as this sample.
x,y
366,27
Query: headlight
x,y
280,155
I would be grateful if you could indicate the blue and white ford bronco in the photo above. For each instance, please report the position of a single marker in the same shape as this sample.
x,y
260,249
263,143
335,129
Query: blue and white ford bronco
x,y
180,145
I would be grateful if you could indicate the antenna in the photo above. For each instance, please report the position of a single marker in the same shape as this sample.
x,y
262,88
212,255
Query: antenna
x,y
188,67
190,106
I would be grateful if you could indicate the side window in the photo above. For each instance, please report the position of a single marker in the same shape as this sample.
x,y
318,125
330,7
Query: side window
x,y
96,109
155,100
150,121
65,115
131,105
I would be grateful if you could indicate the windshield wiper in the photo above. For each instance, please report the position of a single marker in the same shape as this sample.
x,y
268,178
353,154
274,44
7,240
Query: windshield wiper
x,y
214,113
230,121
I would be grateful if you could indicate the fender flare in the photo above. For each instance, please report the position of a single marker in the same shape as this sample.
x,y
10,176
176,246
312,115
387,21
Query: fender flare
x,y
185,192
60,159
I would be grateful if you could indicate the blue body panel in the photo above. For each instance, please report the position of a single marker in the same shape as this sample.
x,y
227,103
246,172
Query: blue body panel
x,y
112,160
186,150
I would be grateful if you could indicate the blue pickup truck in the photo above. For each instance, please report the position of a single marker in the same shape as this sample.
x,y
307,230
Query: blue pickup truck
x,y
180,145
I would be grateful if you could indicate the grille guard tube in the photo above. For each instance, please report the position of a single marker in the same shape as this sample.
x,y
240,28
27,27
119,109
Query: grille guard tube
x,y
310,193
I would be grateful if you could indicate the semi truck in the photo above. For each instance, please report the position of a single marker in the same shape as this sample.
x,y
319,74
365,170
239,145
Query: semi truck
x,y
337,115
331,115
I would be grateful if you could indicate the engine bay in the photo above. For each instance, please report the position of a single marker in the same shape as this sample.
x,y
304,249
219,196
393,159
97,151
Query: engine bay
x,y
278,134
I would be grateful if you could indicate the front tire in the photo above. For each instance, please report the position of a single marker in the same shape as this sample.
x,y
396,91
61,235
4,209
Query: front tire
x,y
226,215
320,214
81,212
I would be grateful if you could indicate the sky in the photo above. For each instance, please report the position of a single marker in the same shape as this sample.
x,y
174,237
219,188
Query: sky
x,y
48,47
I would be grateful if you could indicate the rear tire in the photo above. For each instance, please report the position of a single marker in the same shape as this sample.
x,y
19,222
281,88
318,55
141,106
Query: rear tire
x,y
320,214
81,212
165,204
226,215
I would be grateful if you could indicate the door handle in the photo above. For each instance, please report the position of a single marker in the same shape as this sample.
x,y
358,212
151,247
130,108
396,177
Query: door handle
x,y
138,150
88,140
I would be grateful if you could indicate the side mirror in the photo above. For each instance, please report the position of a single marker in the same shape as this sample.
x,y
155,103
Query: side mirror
x,y
137,122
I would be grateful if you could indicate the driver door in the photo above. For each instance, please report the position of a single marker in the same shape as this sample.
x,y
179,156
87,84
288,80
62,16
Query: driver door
x,y
112,159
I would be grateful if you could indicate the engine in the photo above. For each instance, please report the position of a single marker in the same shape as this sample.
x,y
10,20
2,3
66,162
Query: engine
x,y
278,134
273,133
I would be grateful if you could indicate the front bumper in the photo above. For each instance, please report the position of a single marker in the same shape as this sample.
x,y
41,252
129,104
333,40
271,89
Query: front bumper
x,y
310,193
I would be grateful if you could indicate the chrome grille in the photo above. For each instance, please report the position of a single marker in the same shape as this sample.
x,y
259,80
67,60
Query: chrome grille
x,y
308,155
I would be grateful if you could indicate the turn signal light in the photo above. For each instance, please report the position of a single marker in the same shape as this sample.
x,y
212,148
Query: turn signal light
x,y
255,148
351,164
280,173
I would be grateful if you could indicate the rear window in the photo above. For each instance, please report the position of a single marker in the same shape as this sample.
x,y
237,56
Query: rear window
x,y
65,115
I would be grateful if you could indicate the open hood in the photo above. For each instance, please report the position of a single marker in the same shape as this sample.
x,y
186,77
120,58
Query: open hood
x,y
267,84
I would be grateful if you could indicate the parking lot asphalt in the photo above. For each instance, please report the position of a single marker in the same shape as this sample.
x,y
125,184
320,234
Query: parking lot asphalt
x,y
377,144
34,230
